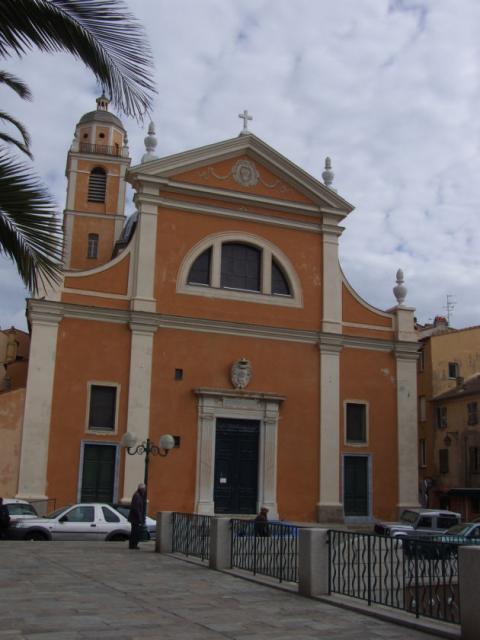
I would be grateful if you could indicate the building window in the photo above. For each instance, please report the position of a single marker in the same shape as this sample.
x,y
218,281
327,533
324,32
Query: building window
x,y
200,271
422,453
443,460
422,408
103,408
475,459
472,411
453,370
421,360
441,417
97,184
356,423
240,267
92,249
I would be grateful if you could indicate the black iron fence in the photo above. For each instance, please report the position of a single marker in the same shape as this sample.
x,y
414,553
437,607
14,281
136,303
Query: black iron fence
x,y
269,550
416,575
191,535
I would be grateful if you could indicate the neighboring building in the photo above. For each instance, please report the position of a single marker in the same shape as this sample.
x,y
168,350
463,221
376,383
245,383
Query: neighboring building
x,y
448,405
218,312
14,348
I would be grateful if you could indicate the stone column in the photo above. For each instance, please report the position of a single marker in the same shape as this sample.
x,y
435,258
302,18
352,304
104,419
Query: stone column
x,y
143,298
407,438
468,581
220,544
331,280
205,461
138,417
268,451
313,562
329,507
32,482
163,537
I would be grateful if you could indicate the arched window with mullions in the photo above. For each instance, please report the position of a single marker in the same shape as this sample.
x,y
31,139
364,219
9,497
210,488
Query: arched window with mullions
x,y
252,270
97,185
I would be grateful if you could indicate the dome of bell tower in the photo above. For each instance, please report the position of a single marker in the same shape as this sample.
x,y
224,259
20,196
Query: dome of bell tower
x,y
101,114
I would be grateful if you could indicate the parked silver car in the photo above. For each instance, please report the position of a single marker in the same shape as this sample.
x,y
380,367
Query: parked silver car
x,y
19,509
86,521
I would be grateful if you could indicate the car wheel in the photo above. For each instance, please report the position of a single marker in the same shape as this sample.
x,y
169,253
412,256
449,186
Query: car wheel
x,y
118,537
35,535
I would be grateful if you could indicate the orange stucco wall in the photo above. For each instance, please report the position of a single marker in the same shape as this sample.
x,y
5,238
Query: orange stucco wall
x,y
11,416
86,351
113,279
369,376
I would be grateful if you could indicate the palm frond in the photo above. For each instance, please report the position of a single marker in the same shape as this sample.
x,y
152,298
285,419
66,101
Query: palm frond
x,y
16,123
5,137
102,33
16,84
30,235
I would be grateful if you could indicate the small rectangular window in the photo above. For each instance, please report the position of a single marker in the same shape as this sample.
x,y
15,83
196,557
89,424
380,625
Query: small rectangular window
x,y
472,413
92,249
441,417
356,428
178,374
421,360
475,459
453,370
103,401
422,453
443,460
422,408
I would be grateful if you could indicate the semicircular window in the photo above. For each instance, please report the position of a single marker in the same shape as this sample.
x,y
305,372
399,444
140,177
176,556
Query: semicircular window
x,y
240,268
280,284
200,271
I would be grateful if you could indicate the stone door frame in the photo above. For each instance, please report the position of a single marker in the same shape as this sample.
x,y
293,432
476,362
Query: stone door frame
x,y
240,405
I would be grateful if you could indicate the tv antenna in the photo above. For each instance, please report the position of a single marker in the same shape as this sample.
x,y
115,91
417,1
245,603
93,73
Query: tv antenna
x,y
450,306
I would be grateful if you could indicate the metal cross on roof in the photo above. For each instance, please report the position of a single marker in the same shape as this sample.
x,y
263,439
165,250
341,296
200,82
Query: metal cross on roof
x,y
245,117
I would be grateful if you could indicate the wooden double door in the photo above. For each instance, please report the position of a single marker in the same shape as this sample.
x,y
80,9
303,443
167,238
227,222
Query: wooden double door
x,y
236,466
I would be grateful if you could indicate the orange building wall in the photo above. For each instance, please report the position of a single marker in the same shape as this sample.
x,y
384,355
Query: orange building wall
x,y
11,417
113,279
371,376
283,368
86,351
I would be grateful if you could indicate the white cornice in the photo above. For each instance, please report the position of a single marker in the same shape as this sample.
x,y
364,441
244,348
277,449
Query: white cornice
x,y
255,148
229,393
50,311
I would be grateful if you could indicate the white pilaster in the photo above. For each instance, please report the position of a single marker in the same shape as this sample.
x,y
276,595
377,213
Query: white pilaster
x,y
329,508
206,462
138,421
407,437
332,281
144,256
32,482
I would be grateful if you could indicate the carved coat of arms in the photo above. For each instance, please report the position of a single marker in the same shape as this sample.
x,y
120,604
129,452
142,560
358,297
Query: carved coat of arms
x,y
241,373
245,173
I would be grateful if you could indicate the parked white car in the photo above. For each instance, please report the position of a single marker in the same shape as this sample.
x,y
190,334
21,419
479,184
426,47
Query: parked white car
x,y
19,509
150,523
86,521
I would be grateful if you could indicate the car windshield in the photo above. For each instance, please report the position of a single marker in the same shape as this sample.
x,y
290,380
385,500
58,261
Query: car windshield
x,y
56,513
458,530
409,516
19,509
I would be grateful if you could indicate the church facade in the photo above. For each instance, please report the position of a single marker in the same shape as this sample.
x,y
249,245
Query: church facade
x,y
217,313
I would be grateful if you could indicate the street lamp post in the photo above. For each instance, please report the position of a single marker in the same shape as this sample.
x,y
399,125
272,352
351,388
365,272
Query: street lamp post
x,y
147,448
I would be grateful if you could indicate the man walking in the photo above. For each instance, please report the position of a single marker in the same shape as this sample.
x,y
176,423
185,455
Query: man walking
x,y
137,514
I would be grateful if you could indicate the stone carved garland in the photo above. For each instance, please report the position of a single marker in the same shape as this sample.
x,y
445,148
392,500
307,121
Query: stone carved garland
x,y
246,174
241,373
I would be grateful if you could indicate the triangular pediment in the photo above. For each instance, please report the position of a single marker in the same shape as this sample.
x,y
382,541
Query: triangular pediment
x,y
244,164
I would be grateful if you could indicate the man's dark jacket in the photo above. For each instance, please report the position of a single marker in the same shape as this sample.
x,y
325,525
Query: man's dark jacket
x,y
137,508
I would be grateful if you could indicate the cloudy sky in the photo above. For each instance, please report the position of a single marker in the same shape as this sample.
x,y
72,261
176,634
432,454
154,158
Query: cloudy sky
x,y
388,88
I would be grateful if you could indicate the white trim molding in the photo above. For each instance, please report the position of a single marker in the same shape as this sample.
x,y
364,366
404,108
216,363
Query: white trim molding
x,y
264,296
219,403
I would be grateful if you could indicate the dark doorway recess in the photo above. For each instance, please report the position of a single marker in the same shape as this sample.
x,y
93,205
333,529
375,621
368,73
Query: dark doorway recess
x,y
98,475
236,466
355,483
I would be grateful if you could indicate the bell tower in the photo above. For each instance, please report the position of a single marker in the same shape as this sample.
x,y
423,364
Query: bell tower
x,y
95,209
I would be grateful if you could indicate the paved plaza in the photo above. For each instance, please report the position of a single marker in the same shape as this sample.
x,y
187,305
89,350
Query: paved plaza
x,y
73,590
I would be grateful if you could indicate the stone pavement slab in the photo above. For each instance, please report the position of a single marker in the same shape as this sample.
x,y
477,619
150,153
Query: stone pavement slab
x,y
75,590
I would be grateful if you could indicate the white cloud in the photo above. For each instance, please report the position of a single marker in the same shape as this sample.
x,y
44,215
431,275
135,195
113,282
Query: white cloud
x,y
388,89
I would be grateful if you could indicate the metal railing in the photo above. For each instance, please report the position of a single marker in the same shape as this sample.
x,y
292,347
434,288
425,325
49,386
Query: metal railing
x,y
104,149
191,535
269,550
416,575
